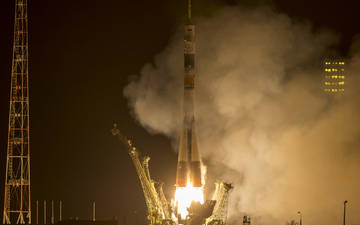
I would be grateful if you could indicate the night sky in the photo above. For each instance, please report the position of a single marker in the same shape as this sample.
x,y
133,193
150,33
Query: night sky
x,y
82,54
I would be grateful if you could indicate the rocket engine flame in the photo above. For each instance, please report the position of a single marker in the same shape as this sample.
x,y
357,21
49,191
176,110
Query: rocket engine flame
x,y
184,196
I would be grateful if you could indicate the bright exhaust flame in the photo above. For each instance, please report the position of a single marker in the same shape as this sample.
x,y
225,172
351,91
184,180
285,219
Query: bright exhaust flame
x,y
185,195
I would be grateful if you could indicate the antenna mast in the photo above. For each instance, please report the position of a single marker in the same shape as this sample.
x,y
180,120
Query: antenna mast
x,y
17,201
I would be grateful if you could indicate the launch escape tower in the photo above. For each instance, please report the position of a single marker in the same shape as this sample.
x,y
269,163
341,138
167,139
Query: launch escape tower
x,y
17,204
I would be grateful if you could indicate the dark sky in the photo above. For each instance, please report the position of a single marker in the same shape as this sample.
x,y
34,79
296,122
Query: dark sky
x,y
82,54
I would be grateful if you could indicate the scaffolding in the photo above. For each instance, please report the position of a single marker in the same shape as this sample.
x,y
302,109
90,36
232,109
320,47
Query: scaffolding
x,y
157,214
17,201
160,211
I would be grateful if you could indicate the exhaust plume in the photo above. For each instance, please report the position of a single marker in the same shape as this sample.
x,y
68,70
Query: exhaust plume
x,y
264,122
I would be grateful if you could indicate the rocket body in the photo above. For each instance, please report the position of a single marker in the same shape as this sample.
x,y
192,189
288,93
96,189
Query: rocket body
x,y
189,161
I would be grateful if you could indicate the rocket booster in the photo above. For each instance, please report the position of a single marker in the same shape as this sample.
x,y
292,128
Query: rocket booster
x,y
189,161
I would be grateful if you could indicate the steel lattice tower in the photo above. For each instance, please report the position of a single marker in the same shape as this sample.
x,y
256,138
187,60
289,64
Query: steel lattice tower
x,y
17,203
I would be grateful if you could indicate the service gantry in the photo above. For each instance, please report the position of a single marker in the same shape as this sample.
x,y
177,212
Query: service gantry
x,y
157,205
163,212
17,201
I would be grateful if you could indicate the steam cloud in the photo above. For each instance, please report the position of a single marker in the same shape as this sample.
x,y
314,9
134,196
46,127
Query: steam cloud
x,y
263,120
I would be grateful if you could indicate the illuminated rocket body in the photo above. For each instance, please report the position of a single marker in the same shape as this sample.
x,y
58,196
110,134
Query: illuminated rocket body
x,y
189,161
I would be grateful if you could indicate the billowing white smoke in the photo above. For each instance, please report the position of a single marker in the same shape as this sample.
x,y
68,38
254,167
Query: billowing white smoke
x,y
263,121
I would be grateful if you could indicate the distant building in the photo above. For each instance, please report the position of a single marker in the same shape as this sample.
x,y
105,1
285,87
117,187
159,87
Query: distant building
x,y
334,76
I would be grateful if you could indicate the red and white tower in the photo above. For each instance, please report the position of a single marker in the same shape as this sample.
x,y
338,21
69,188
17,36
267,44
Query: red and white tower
x,y
17,201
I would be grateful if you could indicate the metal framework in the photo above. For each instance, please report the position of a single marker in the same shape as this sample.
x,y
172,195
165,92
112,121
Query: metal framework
x,y
17,202
160,212
164,202
221,196
156,214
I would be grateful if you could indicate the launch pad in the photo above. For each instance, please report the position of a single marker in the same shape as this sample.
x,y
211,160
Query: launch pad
x,y
187,206
164,212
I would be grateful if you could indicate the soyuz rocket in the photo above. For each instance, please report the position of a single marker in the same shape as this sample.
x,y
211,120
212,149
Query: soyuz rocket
x,y
189,161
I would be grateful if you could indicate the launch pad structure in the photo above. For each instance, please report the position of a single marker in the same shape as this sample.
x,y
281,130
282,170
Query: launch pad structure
x,y
17,198
17,201
182,210
163,212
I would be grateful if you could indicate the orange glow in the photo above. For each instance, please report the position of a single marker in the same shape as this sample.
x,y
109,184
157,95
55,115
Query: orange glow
x,y
185,195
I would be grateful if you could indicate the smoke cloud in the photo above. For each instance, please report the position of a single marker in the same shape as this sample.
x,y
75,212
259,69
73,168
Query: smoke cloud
x,y
263,120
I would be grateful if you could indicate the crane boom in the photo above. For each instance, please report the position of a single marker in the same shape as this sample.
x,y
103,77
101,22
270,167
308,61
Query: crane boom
x,y
164,202
159,212
221,196
153,203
